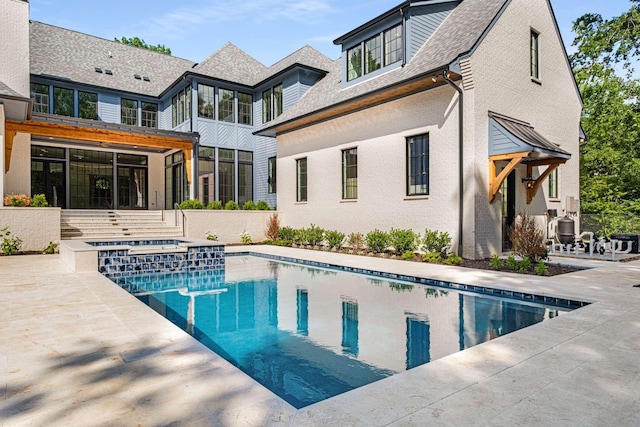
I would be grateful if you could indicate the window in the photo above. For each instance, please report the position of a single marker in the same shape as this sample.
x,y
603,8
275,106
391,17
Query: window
x,y
245,177
40,95
350,174
181,107
187,103
226,174
535,68
206,101
245,109
175,179
354,66
128,112
418,165
63,101
301,180
88,105
149,115
373,54
277,100
393,45
271,172
174,111
266,106
225,106
553,184
206,174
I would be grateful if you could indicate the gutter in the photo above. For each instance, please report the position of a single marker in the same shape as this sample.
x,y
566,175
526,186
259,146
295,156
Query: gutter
x,y
445,76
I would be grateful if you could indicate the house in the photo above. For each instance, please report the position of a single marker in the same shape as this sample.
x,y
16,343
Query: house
x,y
442,115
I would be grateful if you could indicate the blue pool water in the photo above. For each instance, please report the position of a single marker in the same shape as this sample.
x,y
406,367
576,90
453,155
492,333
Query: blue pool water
x,y
309,334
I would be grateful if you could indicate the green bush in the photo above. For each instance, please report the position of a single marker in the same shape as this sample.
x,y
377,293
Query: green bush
x,y
525,265
216,205
434,241
263,206
355,241
286,233
377,241
39,201
432,257
249,206
496,262
245,238
453,259
512,263
300,237
231,206
335,239
541,268
408,255
314,235
50,249
281,242
9,245
191,204
211,236
403,240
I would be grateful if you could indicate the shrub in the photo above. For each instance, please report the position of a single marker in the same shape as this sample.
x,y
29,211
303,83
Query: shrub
x,y
512,263
191,204
263,206
51,248
273,227
314,235
541,268
408,255
525,265
39,201
434,241
211,236
280,242
432,257
403,240
527,239
299,237
17,200
355,241
216,205
496,262
9,245
245,238
377,241
453,259
231,206
335,239
286,233
249,206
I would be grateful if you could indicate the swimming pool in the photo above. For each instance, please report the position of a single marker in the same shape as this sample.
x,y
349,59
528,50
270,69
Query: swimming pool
x,y
308,333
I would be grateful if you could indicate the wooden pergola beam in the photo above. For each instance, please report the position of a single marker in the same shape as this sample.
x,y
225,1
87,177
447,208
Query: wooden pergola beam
x,y
495,181
552,165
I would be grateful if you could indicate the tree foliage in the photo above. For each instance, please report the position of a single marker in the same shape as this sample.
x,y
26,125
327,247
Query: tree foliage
x,y
138,42
610,163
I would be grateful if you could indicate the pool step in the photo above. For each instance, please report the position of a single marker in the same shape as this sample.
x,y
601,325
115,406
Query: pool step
x,y
89,224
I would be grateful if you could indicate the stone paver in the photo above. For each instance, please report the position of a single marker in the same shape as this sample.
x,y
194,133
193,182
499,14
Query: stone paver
x,y
75,349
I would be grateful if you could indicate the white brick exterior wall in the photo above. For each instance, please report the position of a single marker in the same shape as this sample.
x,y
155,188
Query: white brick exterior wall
x,y
14,45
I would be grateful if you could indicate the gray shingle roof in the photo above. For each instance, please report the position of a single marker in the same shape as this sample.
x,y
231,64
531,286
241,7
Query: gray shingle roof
x,y
456,36
7,91
70,55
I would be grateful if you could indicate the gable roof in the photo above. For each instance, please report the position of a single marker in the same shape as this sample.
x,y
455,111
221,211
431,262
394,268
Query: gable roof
x,y
64,54
6,91
455,37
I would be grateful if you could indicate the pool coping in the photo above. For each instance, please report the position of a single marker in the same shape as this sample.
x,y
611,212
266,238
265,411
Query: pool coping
x,y
580,368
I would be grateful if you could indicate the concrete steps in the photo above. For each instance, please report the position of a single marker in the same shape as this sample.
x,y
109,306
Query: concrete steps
x,y
109,224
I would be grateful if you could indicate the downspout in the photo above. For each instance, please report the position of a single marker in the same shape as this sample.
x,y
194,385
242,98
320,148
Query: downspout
x,y
404,37
445,76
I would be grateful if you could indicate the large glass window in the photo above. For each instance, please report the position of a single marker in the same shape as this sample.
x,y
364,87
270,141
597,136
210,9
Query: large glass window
x,y
271,172
206,101
225,106
226,174
245,177
63,101
91,179
272,103
187,103
373,54
175,179
206,174
301,180
245,109
40,95
393,45
149,115
266,106
553,184
277,100
354,63
48,177
535,70
181,106
350,174
174,111
128,112
88,105
418,165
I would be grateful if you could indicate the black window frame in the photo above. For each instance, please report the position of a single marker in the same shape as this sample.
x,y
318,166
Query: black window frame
x,y
57,107
124,109
226,110
420,163
534,46
149,115
302,194
389,50
84,104
348,167
245,108
41,96
272,175
206,101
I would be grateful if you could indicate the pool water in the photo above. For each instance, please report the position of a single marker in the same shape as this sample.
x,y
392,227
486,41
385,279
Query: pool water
x,y
308,334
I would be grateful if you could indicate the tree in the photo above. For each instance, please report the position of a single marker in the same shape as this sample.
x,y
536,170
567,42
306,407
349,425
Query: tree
x,y
138,42
610,167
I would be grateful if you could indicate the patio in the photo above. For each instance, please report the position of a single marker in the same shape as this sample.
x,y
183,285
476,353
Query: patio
x,y
75,349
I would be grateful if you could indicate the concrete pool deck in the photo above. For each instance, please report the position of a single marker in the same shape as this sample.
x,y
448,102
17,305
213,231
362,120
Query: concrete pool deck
x,y
75,349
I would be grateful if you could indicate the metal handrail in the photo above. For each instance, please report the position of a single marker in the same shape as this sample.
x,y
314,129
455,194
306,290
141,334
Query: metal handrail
x,y
184,217
161,198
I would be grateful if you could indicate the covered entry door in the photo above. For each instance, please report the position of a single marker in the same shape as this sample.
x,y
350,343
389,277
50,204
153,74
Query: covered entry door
x,y
132,187
508,209
48,178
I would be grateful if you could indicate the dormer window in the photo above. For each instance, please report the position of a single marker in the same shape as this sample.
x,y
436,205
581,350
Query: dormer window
x,y
387,44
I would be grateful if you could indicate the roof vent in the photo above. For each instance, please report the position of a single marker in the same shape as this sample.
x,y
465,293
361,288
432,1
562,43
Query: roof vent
x,y
137,76
146,78
109,72
98,70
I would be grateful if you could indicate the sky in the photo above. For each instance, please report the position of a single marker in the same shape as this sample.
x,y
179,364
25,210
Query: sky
x,y
268,30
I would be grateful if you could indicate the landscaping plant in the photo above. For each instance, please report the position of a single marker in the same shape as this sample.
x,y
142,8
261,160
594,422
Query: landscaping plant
x,y
231,205
525,265
541,268
356,241
527,238
453,259
512,263
245,238
273,227
211,236
377,241
39,201
314,235
50,249
249,206
191,204
286,234
432,257
9,245
434,241
409,255
216,205
334,239
403,240
17,200
262,206
496,262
